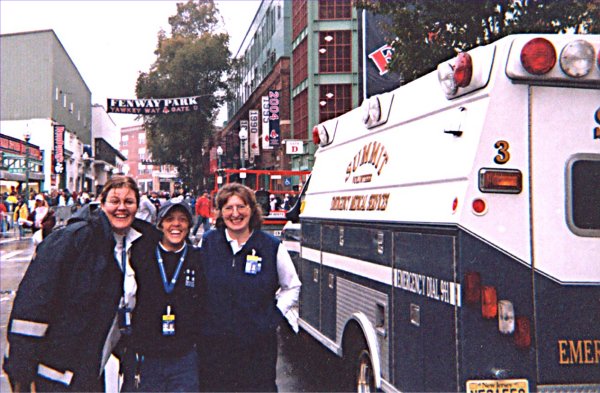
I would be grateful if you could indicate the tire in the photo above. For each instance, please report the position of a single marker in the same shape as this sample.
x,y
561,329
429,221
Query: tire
x,y
358,364
365,379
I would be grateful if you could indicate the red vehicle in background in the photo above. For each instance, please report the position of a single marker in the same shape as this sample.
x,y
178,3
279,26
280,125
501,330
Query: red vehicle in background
x,y
265,183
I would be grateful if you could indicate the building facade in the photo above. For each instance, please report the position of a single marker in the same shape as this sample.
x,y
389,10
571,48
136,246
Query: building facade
x,y
150,175
46,105
264,68
306,52
323,57
42,88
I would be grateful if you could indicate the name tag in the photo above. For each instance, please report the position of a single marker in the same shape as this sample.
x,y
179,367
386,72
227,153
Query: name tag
x,y
253,264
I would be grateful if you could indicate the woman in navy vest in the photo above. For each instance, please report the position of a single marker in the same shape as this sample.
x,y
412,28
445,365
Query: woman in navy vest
x,y
251,284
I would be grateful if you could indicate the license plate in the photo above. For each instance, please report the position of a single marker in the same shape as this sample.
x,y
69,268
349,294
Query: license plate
x,y
498,386
277,233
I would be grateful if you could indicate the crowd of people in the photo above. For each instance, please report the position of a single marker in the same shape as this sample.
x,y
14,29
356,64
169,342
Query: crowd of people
x,y
125,279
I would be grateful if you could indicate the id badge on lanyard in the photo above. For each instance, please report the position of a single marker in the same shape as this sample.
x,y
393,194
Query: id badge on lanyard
x,y
253,264
168,323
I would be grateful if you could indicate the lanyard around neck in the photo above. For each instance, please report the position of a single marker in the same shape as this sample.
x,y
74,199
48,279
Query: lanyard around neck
x,y
124,257
170,285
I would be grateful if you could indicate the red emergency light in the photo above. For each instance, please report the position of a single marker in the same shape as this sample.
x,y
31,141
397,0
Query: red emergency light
x,y
538,56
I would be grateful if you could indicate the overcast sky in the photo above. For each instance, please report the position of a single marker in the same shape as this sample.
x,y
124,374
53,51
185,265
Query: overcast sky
x,y
110,42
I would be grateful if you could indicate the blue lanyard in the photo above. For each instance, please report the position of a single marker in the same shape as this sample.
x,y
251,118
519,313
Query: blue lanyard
x,y
169,286
124,257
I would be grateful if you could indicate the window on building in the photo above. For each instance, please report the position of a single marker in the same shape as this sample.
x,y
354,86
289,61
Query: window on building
x,y
301,115
124,140
272,29
334,100
142,138
64,101
335,51
299,17
300,59
335,9
72,107
56,94
142,153
125,152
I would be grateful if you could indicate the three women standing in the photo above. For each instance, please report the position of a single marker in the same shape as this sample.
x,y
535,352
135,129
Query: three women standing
x,y
79,297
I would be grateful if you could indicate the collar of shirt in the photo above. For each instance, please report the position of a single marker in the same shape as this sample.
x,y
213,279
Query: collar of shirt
x,y
129,282
235,246
165,250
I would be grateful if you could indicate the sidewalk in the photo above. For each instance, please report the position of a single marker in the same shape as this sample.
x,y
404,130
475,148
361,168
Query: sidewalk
x,y
13,235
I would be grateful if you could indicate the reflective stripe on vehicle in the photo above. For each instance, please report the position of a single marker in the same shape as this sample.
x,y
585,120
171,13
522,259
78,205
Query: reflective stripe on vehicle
x,y
28,328
55,375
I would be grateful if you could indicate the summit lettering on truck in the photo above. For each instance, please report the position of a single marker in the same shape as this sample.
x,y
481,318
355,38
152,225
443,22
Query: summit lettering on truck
x,y
450,230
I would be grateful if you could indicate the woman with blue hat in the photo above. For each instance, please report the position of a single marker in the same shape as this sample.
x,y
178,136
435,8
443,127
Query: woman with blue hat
x,y
165,320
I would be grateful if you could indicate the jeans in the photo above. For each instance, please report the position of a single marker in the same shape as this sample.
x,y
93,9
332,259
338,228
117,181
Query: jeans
x,y
205,221
179,374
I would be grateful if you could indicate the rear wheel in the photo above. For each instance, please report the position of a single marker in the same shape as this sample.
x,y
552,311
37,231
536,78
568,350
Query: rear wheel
x,y
365,379
358,363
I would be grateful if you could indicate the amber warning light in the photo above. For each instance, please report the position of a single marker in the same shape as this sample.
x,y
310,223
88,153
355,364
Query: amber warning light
x,y
505,181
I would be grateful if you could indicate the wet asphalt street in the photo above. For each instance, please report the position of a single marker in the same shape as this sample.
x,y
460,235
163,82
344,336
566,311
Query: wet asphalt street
x,y
303,365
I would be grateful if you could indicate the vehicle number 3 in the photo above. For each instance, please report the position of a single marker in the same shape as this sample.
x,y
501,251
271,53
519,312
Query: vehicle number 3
x,y
503,155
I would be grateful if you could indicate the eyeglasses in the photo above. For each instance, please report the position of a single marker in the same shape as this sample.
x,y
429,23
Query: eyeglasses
x,y
230,208
117,202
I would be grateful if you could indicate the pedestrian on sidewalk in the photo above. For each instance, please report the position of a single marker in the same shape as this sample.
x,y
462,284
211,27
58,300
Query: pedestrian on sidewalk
x,y
147,211
21,216
168,308
76,298
203,213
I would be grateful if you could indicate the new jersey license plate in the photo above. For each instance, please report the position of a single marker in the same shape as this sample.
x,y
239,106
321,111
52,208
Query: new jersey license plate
x,y
498,386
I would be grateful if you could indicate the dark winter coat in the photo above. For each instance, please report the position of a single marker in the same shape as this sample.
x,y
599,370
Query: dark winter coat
x,y
66,304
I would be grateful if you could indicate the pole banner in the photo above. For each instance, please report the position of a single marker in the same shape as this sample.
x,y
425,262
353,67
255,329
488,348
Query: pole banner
x,y
253,132
152,106
58,163
274,131
264,137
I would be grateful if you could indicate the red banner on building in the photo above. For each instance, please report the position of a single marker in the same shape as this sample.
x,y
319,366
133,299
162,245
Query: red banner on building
x,y
13,145
58,163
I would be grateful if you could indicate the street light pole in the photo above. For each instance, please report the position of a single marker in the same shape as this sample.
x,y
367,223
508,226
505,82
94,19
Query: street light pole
x,y
27,139
243,138
219,155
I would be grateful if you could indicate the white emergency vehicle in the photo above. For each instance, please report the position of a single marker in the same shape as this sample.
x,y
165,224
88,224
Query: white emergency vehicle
x,y
451,227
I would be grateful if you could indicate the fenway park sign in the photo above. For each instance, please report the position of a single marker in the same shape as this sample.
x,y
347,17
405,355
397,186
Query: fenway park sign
x,y
153,106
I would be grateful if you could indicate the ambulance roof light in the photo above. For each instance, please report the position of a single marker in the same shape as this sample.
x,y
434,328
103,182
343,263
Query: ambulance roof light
x,y
463,69
538,56
577,58
321,135
315,135
446,79
371,111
